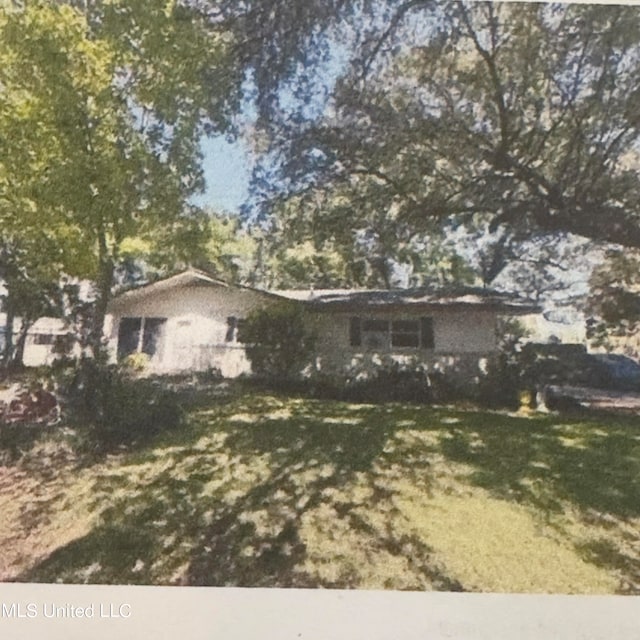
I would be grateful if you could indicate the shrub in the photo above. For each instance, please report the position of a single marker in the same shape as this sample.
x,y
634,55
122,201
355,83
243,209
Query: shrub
x,y
531,367
118,408
508,373
136,362
15,439
394,382
278,342
389,382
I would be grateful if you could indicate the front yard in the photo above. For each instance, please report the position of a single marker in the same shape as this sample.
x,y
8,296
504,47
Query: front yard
x,y
267,491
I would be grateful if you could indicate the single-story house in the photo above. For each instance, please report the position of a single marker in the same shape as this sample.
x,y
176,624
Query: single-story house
x,y
189,322
47,338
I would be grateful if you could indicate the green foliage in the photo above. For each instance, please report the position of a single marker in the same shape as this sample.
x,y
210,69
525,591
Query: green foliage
x,y
294,264
507,374
522,116
231,251
530,367
614,302
118,408
278,341
395,382
32,290
16,440
102,109
345,237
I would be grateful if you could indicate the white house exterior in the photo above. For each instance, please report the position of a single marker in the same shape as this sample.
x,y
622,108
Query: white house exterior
x,y
185,323
450,330
46,339
189,323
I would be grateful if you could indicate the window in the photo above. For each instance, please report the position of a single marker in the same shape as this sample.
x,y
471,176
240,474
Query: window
x,y
375,334
382,334
128,336
369,333
405,333
151,335
234,325
140,335
43,338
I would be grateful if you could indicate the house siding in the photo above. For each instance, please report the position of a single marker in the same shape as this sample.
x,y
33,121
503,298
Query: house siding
x,y
196,326
463,343
194,335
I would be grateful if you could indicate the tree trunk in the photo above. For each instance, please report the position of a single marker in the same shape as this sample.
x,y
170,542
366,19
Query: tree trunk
x,y
17,362
8,338
104,284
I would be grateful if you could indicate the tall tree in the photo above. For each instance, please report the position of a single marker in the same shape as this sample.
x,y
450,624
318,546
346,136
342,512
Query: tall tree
x,y
528,114
107,103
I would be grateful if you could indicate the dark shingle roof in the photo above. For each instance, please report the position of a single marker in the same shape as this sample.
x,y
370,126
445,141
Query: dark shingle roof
x,y
425,298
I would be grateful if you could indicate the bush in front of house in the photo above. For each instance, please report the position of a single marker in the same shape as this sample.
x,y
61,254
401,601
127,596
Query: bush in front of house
x,y
390,381
118,408
509,373
393,382
278,342
523,369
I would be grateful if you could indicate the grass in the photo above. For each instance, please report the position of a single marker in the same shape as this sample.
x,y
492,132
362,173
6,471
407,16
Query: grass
x,y
269,491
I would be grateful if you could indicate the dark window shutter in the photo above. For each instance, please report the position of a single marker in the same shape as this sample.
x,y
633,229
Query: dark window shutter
x,y
355,333
240,323
426,333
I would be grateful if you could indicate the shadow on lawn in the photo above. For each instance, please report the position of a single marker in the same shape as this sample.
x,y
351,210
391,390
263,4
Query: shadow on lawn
x,y
310,458
224,505
224,502
593,463
255,541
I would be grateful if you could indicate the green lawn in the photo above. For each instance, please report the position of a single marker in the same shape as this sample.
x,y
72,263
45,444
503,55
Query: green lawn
x,y
266,491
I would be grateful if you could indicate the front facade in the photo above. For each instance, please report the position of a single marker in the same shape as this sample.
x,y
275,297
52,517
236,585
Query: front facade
x,y
189,322
357,343
186,323
450,330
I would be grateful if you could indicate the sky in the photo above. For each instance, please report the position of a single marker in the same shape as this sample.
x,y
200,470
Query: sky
x,y
227,168
228,165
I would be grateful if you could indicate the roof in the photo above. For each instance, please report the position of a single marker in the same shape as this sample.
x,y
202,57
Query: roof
x,y
188,278
423,299
55,326
311,294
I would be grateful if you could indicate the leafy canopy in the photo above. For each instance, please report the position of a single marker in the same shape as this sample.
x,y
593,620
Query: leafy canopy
x,y
101,114
516,117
